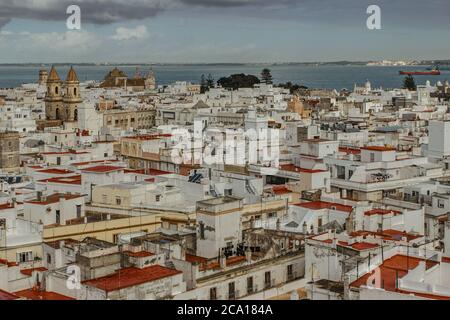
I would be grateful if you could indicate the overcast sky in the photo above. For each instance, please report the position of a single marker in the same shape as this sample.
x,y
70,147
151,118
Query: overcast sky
x,y
222,31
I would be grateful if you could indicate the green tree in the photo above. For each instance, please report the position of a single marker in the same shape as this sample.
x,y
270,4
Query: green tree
x,y
210,81
237,81
266,76
409,83
203,84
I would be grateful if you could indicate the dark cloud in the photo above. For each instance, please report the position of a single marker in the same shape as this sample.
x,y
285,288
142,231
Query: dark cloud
x,y
416,13
93,11
236,3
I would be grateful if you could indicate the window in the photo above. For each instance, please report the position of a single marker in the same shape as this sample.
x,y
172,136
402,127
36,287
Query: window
x,y
118,201
25,256
249,285
231,291
440,204
49,258
104,198
372,157
58,217
116,238
319,222
350,174
267,280
290,272
213,294
272,215
78,211
158,198
202,230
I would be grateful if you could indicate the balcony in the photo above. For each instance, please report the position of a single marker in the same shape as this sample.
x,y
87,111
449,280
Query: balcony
x,y
292,276
233,295
269,284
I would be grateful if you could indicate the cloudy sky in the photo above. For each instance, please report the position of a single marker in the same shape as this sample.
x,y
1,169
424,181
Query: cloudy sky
x,y
210,31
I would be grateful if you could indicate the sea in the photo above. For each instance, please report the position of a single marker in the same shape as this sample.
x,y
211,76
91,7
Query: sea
x,y
312,76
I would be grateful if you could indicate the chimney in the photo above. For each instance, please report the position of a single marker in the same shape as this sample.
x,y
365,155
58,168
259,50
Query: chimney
x,y
248,255
222,261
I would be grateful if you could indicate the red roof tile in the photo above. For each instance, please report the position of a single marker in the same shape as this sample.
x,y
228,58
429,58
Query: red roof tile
x,y
29,272
76,180
55,171
378,148
102,169
278,190
130,277
54,198
78,164
195,259
397,266
318,205
6,206
215,265
140,254
360,246
293,168
7,296
381,212
39,295
350,150
9,264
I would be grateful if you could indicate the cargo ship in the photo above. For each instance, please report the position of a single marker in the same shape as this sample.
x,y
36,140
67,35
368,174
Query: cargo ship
x,y
421,73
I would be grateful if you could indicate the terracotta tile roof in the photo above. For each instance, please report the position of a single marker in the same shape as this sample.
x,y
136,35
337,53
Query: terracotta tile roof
x,y
6,206
39,295
57,244
53,75
7,296
215,265
381,212
378,148
360,246
102,169
446,259
149,137
195,259
278,190
140,254
390,235
129,277
293,168
55,171
350,150
318,205
78,164
29,272
54,198
72,76
150,172
9,264
76,180
398,266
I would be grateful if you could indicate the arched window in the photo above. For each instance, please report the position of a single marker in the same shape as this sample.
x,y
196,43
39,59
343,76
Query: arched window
x,y
75,115
56,90
74,91
57,113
